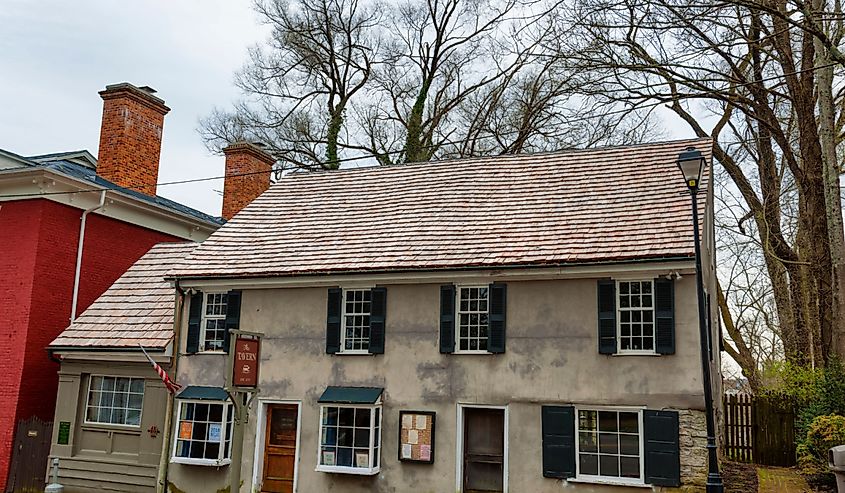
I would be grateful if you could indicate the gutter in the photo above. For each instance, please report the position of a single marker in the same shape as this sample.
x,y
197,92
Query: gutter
x,y
164,459
79,253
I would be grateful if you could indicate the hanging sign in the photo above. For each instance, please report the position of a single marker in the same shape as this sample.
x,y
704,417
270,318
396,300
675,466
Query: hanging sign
x,y
244,359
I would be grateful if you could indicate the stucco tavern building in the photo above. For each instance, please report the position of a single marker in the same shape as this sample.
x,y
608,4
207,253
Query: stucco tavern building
x,y
516,323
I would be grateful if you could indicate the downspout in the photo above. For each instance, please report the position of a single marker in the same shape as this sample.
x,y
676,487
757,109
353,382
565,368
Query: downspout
x,y
79,253
164,460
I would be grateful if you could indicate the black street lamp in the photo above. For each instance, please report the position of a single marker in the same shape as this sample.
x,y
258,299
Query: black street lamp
x,y
691,163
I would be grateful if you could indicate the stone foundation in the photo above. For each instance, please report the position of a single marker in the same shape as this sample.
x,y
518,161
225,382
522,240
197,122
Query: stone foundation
x,y
692,427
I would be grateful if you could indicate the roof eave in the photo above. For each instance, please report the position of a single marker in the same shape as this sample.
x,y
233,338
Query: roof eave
x,y
85,186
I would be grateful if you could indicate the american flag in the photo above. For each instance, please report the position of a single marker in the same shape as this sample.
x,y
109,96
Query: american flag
x,y
172,386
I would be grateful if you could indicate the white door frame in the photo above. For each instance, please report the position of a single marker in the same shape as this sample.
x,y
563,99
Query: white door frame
x,y
459,476
260,430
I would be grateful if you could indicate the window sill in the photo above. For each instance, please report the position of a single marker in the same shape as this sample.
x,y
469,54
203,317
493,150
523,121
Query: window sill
x,y
609,481
354,353
129,429
200,462
636,353
358,471
470,351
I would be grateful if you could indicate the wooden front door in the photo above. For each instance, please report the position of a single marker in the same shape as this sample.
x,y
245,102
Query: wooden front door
x,y
279,449
484,450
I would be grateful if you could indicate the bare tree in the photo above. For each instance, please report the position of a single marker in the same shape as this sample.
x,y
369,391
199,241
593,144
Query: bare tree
x,y
754,75
299,85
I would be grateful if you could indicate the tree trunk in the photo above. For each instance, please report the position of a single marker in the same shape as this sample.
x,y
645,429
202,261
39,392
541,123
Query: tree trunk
x,y
833,203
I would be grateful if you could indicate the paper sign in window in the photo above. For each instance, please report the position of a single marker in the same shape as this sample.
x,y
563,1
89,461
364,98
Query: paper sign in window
x,y
185,430
214,432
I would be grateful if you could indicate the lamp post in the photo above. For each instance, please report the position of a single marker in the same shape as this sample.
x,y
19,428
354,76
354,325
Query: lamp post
x,y
691,163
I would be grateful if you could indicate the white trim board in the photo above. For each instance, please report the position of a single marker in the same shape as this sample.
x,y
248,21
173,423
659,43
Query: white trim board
x,y
459,445
260,428
466,276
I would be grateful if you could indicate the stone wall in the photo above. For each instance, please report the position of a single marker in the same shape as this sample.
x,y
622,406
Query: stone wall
x,y
693,440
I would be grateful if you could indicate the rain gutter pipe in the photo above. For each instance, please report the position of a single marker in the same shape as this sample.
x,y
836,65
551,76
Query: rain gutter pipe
x,y
79,253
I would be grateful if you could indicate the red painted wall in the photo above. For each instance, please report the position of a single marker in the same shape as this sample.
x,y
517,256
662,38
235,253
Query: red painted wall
x,y
39,240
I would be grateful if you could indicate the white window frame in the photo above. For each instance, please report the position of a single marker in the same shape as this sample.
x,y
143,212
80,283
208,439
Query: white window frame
x,y
589,478
221,460
458,349
362,471
91,378
205,317
619,310
343,292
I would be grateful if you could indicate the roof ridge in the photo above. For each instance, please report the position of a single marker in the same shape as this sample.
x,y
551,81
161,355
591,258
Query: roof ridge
x,y
520,157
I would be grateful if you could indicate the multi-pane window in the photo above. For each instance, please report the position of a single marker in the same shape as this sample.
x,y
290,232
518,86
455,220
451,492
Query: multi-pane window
x,y
356,320
115,400
636,315
213,322
472,318
203,433
609,444
350,439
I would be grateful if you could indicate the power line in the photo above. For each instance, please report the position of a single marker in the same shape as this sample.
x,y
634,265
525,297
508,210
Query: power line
x,y
439,144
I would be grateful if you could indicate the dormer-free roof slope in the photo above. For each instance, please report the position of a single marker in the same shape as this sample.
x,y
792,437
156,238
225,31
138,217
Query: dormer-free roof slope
x,y
613,204
136,309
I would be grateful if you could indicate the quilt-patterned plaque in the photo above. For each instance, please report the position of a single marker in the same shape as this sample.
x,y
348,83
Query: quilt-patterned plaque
x,y
416,436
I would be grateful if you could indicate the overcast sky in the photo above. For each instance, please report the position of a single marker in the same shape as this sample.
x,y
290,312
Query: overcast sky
x,y
56,55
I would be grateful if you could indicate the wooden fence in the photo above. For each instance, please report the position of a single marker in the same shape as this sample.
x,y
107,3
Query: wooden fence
x,y
29,456
759,430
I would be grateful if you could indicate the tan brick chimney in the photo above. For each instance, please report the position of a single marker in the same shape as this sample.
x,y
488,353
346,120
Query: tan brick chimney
x,y
248,168
130,136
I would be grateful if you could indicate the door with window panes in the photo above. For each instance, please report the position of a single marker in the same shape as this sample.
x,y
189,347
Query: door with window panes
x,y
484,450
279,449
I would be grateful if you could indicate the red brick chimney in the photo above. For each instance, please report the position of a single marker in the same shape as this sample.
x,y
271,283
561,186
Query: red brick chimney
x,y
130,136
248,168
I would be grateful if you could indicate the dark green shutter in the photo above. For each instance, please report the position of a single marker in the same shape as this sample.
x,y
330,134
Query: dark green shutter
x,y
662,448
333,311
607,316
447,318
496,316
378,309
558,441
664,312
233,316
194,319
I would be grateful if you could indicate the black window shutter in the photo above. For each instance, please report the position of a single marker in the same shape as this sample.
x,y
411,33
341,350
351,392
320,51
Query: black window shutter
x,y
378,309
447,318
607,316
662,448
558,441
497,311
333,320
233,316
194,319
664,314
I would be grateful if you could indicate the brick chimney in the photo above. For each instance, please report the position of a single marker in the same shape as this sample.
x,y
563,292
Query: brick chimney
x,y
130,136
254,164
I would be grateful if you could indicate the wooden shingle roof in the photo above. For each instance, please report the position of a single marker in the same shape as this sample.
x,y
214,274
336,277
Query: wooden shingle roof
x,y
600,205
136,309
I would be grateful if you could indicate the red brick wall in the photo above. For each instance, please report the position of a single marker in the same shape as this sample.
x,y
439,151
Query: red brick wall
x,y
36,283
130,137
247,176
19,227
